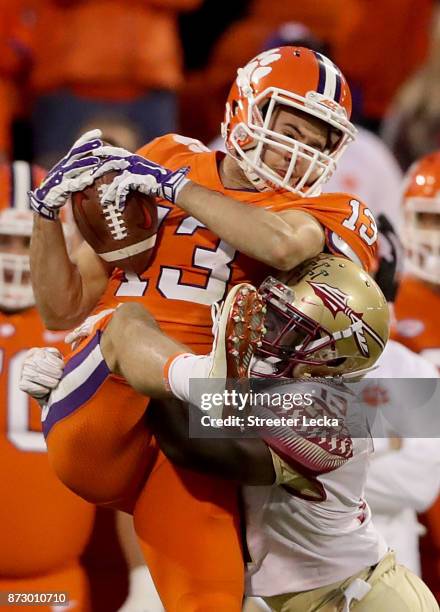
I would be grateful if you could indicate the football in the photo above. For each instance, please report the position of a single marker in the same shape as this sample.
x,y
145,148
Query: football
x,y
124,238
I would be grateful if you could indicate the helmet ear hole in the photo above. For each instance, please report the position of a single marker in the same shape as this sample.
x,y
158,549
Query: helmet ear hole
x,y
335,363
235,107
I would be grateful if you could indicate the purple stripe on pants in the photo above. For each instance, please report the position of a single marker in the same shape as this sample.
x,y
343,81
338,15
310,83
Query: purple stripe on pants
x,y
83,354
76,399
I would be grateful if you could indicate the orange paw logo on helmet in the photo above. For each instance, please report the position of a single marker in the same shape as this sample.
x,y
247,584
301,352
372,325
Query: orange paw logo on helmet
x,y
249,76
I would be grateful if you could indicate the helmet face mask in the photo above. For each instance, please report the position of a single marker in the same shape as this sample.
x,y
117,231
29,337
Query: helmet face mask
x,y
15,282
312,329
421,237
16,220
291,78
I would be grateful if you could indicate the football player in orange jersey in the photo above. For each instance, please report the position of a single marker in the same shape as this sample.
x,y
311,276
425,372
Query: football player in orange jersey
x,y
418,303
419,296
226,220
45,527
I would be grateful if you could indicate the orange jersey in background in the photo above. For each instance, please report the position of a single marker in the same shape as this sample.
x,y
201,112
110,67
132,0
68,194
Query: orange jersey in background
x,y
45,526
416,308
193,268
120,65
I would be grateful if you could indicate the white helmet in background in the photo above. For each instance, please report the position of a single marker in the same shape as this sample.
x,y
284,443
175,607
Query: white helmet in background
x,y
420,230
16,219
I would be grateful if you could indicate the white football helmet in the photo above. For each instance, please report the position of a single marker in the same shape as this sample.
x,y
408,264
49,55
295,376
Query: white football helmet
x,y
420,231
16,219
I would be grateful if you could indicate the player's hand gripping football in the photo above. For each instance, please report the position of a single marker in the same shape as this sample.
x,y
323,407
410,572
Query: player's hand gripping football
x,y
137,174
72,173
88,159
41,372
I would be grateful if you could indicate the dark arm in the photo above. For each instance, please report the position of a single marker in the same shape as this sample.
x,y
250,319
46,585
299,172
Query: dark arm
x,y
247,461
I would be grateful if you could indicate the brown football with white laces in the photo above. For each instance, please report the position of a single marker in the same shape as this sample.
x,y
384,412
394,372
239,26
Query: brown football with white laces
x,y
123,238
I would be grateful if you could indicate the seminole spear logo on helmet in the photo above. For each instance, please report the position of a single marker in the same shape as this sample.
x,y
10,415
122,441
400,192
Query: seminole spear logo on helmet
x,y
337,301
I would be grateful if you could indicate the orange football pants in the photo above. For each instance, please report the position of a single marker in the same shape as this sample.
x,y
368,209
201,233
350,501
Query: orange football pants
x,y
187,523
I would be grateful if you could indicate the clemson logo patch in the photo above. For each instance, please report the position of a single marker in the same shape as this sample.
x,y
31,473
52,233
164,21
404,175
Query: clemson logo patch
x,y
409,328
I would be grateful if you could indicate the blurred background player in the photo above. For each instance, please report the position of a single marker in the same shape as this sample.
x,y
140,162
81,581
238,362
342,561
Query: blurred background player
x,y
45,527
418,303
404,475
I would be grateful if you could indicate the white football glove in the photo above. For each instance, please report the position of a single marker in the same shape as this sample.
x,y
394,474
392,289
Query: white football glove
x,y
71,174
137,173
41,372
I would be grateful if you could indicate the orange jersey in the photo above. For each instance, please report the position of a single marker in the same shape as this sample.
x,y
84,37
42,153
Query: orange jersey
x,y
45,526
416,309
193,268
417,327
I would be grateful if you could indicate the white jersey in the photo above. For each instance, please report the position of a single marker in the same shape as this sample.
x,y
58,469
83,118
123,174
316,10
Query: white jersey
x,y
296,545
398,361
403,482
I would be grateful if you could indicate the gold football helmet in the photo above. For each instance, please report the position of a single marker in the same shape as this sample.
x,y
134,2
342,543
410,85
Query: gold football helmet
x,y
327,317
